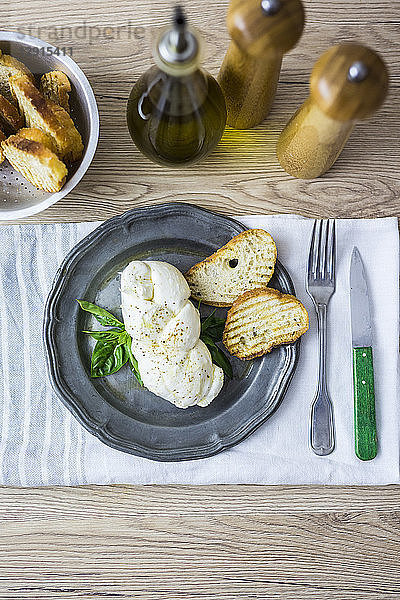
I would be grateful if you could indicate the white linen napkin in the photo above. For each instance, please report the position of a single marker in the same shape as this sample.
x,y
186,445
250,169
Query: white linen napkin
x,y
42,444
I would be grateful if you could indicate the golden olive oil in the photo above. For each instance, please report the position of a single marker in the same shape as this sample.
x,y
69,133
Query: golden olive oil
x,y
176,111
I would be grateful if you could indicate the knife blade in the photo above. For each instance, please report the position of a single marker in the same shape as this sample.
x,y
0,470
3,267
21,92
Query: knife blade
x,y
363,370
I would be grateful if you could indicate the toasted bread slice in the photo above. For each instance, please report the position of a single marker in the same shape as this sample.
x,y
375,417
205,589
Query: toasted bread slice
x,y
75,140
37,135
11,67
245,263
55,86
2,138
35,162
10,118
261,319
44,114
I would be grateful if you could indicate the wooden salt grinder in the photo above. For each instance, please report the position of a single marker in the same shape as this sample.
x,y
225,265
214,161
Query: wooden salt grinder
x,y
262,31
349,82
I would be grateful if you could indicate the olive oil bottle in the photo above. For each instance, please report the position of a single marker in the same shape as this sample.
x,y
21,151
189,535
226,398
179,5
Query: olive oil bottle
x,y
176,111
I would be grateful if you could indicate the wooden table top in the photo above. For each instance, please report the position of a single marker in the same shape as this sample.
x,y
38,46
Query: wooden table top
x,y
222,542
242,176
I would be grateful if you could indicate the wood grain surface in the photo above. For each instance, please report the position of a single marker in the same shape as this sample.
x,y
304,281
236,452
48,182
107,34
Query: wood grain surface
x,y
111,42
221,542
185,542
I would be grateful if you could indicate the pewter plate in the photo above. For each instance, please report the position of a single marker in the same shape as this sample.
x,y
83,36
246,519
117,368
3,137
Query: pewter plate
x,y
114,408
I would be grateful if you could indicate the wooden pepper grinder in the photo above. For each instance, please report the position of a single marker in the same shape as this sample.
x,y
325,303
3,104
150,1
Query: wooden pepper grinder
x,y
262,31
349,82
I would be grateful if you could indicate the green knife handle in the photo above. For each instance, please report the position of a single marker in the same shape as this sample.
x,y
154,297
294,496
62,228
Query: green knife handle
x,y
364,404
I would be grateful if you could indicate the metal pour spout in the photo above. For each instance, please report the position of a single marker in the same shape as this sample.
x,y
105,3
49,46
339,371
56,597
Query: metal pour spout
x,y
178,34
178,44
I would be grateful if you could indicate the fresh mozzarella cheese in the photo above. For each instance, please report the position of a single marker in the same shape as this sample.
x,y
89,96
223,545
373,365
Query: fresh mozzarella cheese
x,y
165,329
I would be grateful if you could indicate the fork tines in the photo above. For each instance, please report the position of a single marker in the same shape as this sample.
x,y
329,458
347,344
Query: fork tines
x,y
321,261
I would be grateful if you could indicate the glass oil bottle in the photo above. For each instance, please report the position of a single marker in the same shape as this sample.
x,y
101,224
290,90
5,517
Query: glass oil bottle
x,y
176,111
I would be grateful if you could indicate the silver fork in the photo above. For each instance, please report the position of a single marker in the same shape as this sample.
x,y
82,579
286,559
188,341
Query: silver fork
x,y
320,285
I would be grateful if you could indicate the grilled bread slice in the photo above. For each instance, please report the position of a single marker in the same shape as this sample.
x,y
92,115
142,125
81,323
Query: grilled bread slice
x,y
261,319
11,67
10,118
35,162
51,118
2,138
55,86
245,263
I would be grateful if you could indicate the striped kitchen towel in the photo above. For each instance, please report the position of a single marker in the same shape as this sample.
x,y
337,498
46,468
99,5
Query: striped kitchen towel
x,y
41,443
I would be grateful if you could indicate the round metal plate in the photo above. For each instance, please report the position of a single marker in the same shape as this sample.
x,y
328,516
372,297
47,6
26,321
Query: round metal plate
x,y
114,408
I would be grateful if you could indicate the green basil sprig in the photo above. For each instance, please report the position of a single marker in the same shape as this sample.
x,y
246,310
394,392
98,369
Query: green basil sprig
x,y
107,358
113,346
212,329
104,317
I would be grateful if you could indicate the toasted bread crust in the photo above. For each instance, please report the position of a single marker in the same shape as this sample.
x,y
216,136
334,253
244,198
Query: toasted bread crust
x,y
11,67
54,120
9,115
35,162
234,243
74,137
243,306
15,65
37,135
36,110
55,86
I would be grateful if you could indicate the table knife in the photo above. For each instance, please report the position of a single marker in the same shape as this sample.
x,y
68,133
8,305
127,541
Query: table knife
x,y
363,370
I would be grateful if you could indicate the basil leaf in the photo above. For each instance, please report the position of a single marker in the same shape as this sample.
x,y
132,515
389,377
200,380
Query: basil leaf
x,y
108,335
133,362
125,338
218,356
220,359
215,331
207,340
213,327
101,315
108,357
114,346
208,319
